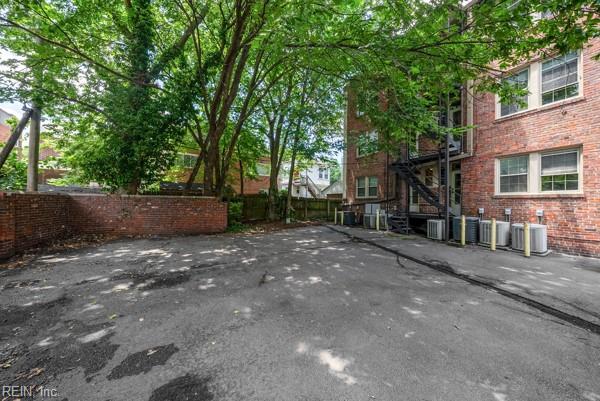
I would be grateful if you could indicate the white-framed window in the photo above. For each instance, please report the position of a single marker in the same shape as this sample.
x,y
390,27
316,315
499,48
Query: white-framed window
x,y
366,187
542,173
521,81
187,160
547,81
367,144
323,173
514,173
263,169
560,171
560,78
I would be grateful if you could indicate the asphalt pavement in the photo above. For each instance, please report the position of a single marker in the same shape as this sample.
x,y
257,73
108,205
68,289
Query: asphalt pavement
x,y
301,314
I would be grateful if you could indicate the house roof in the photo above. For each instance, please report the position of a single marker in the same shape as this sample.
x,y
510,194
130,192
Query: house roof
x,y
333,188
4,133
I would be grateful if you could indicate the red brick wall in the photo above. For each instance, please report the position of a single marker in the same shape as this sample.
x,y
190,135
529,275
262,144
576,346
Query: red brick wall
x,y
7,225
146,215
29,220
573,220
373,165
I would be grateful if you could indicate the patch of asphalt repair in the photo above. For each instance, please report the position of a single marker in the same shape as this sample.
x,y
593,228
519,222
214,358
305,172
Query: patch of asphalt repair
x,y
444,267
184,388
39,364
143,361
19,284
36,317
151,280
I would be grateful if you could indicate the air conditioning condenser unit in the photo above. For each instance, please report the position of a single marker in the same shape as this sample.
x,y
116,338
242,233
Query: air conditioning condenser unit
x,y
369,220
502,232
538,237
436,229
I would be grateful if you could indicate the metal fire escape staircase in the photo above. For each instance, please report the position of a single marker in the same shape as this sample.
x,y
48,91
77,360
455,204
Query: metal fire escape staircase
x,y
406,169
398,221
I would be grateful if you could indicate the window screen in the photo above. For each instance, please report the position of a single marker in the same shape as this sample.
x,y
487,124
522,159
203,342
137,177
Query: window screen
x,y
559,78
514,173
520,81
560,171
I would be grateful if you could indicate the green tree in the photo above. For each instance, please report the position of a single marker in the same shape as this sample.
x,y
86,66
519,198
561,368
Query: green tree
x,y
125,79
109,78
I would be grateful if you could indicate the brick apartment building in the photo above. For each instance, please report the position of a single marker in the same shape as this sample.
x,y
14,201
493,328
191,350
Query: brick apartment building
x,y
540,158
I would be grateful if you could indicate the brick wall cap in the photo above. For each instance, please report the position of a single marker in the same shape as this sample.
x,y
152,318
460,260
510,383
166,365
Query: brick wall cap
x,y
148,197
21,193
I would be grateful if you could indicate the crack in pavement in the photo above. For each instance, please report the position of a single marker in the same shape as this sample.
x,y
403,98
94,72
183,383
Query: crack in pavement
x,y
445,268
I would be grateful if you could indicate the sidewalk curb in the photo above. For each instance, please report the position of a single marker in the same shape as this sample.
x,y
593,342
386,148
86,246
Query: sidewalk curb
x,y
447,269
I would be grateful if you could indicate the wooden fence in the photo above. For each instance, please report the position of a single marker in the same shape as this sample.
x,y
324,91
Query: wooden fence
x,y
255,207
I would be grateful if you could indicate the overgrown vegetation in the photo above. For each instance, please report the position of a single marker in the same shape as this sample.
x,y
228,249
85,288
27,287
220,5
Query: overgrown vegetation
x,y
13,175
235,215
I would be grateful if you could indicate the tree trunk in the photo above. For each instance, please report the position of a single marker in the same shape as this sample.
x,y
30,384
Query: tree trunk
x,y
272,193
14,137
133,187
210,162
288,204
241,178
34,149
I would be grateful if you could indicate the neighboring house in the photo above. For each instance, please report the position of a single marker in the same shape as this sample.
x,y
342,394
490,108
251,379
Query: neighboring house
x,y
4,127
252,186
309,182
539,159
334,191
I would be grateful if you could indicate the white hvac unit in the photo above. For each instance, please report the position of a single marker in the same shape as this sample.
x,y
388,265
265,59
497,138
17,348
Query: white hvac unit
x,y
502,232
436,229
369,220
372,208
538,237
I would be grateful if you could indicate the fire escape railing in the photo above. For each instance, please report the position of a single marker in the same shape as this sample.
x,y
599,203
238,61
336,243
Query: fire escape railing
x,y
407,170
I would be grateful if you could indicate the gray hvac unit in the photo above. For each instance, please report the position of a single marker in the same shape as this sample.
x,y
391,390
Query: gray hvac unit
x,y
538,237
472,227
436,229
502,232
349,218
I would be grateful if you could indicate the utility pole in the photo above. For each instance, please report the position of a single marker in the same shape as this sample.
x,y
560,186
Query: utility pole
x,y
34,149
14,136
447,163
34,133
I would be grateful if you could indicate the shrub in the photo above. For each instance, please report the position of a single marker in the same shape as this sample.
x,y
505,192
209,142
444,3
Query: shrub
x,y
235,214
13,176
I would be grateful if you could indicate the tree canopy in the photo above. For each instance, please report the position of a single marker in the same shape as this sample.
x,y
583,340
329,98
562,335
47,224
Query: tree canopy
x,y
124,82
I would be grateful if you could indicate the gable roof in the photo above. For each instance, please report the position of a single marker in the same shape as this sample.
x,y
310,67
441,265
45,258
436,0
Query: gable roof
x,y
334,188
